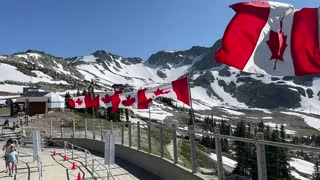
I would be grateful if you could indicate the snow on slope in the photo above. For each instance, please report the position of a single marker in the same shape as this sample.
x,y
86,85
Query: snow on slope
x,y
11,88
302,165
225,160
311,121
11,73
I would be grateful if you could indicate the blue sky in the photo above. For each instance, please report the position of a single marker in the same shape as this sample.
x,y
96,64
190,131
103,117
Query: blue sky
x,y
131,28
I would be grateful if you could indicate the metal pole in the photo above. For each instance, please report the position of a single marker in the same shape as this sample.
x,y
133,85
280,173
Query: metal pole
x,y
149,137
86,157
129,134
122,133
71,151
73,128
193,150
50,127
61,135
93,168
219,154
161,141
65,147
93,129
261,157
138,135
86,129
175,149
101,129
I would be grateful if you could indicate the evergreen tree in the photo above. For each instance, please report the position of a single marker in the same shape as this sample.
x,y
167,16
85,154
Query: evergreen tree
x,y
84,92
78,93
316,173
66,97
241,151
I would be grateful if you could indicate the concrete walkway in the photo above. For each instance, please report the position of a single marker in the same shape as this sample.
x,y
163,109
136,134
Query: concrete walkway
x,y
55,168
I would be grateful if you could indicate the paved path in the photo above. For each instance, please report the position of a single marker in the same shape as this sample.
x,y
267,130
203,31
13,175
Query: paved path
x,y
55,168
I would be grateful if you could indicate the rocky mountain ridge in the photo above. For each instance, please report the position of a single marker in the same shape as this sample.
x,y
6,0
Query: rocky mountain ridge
x,y
211,83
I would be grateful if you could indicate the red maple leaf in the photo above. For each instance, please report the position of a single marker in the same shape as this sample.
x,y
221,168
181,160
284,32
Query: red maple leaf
x,y
106,99
160,91
79,101
277,43
129,101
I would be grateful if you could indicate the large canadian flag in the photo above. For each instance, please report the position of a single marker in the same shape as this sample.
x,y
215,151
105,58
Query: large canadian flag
x,y
80,102
177,90
272,38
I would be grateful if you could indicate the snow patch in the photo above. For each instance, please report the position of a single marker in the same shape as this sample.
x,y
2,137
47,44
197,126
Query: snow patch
x,y
302,165
310,121
229,111
225,160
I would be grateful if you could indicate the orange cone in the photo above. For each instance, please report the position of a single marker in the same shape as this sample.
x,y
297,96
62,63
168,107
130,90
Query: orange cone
x,y
65,158
79,177
54,152
74,166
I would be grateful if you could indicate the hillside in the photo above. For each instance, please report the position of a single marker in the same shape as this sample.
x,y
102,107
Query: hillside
x,y
212,84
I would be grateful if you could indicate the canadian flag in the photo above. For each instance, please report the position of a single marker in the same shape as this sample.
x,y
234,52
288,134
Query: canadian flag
x,y
272,38
178,90
105,99
80,102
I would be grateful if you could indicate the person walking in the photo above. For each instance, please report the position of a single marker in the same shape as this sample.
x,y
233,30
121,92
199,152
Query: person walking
x,y
7,150
13,160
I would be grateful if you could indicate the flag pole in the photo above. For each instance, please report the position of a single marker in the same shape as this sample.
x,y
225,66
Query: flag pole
x,y
192,134
190,100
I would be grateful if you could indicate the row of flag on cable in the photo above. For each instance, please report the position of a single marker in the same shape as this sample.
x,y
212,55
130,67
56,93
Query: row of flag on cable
x,y
177,90
274,38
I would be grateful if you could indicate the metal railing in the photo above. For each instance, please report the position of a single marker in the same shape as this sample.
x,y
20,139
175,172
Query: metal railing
x,y
99,169
152,138
79,152
39,167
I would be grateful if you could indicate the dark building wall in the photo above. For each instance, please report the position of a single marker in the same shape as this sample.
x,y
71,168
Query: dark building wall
x,y
37,108
33,109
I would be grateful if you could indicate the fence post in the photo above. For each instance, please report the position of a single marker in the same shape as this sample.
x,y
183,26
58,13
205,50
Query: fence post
x,y
261,157
71,151
50,127
93,130
219,154
86,157
101,129
174,141
93,168
129,133
193,149
149,136
61,135
86,129
73,128
65,147
138,135
122,133
161,141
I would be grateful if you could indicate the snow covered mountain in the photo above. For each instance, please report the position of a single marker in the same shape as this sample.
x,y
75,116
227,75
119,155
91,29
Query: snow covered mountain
x,y
212,84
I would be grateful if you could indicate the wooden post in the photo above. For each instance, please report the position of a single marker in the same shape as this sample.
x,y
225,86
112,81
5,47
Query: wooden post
x,y
175,149
261,157
51,128
101,129
73,128
86,129
138,135
219,154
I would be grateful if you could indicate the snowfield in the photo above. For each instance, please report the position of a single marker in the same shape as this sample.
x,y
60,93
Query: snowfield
x,y
302,165
311,121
